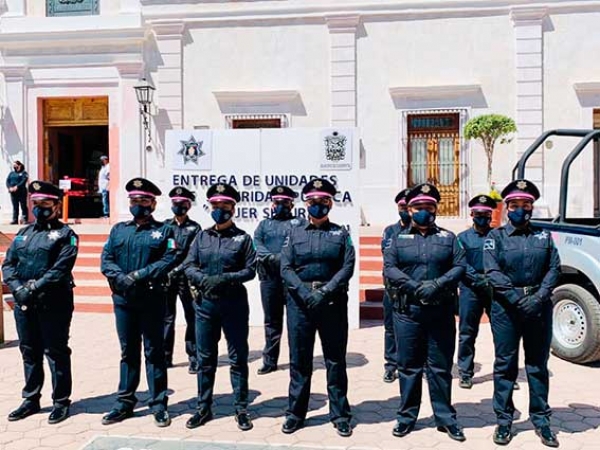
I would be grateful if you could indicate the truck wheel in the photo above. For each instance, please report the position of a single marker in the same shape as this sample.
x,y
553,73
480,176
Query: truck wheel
x,y
576,324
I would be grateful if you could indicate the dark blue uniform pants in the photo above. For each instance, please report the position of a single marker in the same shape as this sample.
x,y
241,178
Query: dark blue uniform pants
x,y
390,352
273,300
508,326
180,288
19,199
427,335
331,322
471,308
144,319
231,314
46,331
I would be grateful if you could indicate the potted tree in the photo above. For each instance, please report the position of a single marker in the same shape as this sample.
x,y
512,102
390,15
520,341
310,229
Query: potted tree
x,y
490,128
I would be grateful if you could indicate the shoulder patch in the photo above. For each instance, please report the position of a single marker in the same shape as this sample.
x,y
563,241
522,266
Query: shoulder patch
x,y
239,238
489,244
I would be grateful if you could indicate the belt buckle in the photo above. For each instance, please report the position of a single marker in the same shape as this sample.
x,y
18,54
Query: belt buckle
x,y
316,285
527,290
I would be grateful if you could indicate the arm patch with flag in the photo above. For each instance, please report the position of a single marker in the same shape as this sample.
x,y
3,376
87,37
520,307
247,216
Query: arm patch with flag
x,y
171,243
73,241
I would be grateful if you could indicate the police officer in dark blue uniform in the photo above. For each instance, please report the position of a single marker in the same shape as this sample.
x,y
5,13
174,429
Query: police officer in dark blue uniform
x,y
425,263
136,259
37,269
317,262
475,289
185,230
220,260
390,352
268,238
523,266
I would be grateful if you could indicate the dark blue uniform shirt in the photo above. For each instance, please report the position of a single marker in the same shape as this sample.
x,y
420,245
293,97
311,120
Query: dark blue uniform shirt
x,y
42,252
472,241
437,255
271,233
323,254
217,252
389,232
149,248
515,258
184,235
18,179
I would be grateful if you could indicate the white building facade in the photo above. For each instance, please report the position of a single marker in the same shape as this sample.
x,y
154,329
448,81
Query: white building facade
x,y
407,73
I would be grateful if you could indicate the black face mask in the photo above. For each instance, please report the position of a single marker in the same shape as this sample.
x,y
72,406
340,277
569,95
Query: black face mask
x,y
318,210
179,210
221,216
519,216
280,210
139,211
404,217
42,213
482,221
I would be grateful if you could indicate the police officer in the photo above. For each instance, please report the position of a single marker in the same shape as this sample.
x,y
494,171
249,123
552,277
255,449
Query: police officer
x,y
424,263
317,262
475,289
523,266
136,259
268,238
220,260
37,269
185,230
390,352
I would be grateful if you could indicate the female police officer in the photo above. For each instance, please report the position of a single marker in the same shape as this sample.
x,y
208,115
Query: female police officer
x,y
317,262
522,265
37,269
425,264
220,260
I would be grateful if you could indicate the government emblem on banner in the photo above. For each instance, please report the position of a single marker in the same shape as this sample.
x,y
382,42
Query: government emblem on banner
x,y
337,150
190,151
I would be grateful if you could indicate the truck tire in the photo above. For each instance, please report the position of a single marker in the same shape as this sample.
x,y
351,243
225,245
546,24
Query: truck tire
x,y
576,324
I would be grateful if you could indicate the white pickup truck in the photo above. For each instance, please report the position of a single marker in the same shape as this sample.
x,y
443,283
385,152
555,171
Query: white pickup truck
x,y
576,329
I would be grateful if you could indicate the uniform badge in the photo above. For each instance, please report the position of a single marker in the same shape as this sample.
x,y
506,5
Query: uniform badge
x,y
54,235
522,185
336,232
178,191
542,235
156,235
489,244
220,188
280,190
425,189
317,184
483,200
191,228
294,222
238,238
138,183
36,186
443,233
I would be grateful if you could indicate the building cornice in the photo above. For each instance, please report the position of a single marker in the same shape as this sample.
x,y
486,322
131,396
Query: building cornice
x,y
434,92
528,15
342,23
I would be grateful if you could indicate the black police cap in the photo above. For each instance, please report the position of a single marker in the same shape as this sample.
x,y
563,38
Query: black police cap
x,y
282,192
520,189
402,195
180,193
41,190
319,187
222,192
482,201
423,193
140,187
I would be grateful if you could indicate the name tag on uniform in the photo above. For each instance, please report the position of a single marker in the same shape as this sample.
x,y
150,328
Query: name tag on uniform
x,y
406,236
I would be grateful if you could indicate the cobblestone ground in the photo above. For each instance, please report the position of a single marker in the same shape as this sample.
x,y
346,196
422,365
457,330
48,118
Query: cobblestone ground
x,y
575,397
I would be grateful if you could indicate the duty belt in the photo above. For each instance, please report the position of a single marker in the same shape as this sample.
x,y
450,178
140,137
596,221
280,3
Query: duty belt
x,y
527,290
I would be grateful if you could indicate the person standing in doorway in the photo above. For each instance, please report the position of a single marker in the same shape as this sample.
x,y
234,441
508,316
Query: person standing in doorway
x,y
103,185
17,186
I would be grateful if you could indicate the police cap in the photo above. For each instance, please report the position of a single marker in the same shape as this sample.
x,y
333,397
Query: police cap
x,y
401,197
180,194
482,203
520,189
319,187
423,193
283,193
41,190
140,187
222,192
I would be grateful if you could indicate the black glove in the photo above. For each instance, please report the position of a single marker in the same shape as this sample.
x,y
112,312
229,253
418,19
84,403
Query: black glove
x,y
317,299
174,274
274,263
23,297
124,283
210,283
410,287
530,306
481,282
426,290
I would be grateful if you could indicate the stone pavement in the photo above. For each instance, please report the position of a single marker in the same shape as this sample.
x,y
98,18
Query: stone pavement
x,y
575,396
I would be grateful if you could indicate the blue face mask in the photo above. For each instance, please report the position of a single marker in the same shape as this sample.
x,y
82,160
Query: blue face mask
x,y
139,211
519,216
318,210
179,210
482,221
42,213
423,217
281,210
404,217
220,216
